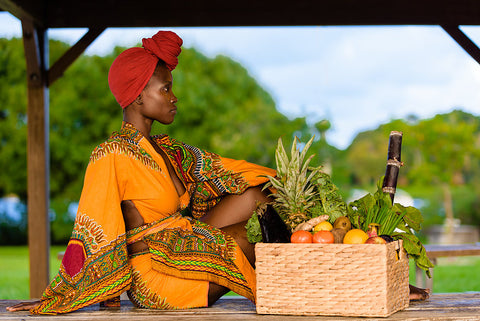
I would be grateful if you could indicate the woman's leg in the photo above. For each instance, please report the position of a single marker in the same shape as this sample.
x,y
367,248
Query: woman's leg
x,y
233,209
215,292
231,215
239,234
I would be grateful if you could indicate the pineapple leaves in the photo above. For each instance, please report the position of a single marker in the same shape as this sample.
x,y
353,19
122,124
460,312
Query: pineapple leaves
x,y
302,191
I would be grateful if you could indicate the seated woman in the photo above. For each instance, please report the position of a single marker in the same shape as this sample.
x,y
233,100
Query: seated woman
x,y
157,218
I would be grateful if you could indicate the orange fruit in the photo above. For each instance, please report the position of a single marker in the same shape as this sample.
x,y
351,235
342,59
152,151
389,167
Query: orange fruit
x,y
323,226
355,236
301,237
323,237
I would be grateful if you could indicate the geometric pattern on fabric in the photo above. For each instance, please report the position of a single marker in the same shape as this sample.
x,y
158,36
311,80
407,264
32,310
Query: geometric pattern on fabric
x,y
106,275
105,272
207,179
88,233
142,297
201,171
125,142
206,253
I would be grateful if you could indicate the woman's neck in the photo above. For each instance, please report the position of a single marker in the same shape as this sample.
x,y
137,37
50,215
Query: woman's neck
x,y
144,125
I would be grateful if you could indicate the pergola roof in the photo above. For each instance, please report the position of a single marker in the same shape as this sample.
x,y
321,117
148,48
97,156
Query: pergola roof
x,y
198,13
37,16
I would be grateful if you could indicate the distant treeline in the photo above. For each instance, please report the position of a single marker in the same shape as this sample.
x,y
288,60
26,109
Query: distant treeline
x,y
224,110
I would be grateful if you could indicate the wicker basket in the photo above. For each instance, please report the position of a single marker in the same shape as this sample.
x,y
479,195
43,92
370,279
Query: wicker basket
x,y
332,279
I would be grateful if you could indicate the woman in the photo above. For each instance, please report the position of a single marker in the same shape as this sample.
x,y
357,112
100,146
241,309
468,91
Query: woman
x,y
157,218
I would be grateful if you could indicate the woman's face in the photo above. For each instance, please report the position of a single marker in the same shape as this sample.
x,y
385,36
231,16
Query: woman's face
x,y
158,98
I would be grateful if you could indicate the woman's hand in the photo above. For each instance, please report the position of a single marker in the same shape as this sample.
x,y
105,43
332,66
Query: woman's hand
x,y
24,306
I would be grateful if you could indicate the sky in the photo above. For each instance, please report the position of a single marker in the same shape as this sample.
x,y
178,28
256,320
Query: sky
x,y
356,77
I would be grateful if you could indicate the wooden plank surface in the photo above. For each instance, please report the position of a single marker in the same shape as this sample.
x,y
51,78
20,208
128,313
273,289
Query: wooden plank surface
x,y
458,306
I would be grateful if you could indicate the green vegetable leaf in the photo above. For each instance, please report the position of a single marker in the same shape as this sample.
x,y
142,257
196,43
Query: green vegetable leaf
x,y
358,210
378,208
327,197
254,232
415,250
413,217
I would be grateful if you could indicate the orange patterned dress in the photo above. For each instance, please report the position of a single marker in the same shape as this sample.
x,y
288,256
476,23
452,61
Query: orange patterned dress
x,y
184,254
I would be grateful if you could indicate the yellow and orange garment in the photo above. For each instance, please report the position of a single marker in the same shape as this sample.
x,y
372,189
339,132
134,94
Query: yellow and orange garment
x,y
184,254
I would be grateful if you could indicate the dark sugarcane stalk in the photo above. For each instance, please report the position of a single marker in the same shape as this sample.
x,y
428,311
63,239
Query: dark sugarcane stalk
x,y
394,162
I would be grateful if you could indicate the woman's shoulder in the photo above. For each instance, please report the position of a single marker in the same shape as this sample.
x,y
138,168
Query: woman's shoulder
x,y
117,144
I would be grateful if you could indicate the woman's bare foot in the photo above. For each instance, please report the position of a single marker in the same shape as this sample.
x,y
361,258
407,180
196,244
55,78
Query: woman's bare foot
x,y
417,294
24,306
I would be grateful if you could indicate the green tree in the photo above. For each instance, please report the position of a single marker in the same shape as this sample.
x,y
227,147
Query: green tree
x,y
13,118
447,146
366,156
441,157
221,109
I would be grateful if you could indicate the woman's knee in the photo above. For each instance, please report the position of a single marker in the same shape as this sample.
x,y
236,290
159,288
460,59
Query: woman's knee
x,y
254,194
235,208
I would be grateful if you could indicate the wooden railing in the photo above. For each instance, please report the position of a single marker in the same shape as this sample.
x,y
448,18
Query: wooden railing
x,y
436,251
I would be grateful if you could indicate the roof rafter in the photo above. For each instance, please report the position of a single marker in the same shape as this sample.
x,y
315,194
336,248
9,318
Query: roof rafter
x,y
59,67
461,38
24,11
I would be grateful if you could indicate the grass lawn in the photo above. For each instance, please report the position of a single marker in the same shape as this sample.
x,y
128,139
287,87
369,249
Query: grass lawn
x,y
451,274
14,269
454,274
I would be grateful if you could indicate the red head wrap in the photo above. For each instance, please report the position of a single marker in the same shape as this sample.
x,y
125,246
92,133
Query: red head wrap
x,y
133,68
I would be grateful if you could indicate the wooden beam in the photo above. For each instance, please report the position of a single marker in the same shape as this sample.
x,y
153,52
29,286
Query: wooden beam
x,y
194,13
36,54
27,10
468,45
59,67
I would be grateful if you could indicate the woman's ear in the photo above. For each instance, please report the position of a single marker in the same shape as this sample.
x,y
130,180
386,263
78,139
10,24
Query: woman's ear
x,y
139,100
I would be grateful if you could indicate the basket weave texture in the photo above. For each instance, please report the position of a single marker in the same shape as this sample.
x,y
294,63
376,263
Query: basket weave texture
x,y
332,279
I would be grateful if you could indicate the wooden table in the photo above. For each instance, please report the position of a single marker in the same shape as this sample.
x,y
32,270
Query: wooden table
x,y
436,251
462,306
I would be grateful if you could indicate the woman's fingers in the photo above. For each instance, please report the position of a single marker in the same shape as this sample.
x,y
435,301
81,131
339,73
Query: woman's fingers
x,y
24,306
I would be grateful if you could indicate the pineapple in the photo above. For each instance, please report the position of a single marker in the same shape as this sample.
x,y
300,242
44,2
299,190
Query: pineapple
x,y
295,191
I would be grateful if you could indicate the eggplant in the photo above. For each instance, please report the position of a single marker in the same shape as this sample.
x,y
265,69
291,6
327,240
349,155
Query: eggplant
x,y
387,238
274,229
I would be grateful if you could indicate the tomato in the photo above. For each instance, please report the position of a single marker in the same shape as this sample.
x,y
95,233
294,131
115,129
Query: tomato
x,y
323,237
301,237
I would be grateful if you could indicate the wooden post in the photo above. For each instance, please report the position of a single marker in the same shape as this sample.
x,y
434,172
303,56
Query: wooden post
x,y
36,54
394,162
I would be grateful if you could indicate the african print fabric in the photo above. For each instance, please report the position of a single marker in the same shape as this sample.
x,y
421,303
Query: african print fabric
x,y
96,266
206,253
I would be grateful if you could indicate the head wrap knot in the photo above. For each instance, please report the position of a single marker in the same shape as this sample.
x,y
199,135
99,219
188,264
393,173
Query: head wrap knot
x,y
133,68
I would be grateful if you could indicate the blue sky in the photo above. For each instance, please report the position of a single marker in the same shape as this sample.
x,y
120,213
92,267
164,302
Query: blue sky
x,y
357,77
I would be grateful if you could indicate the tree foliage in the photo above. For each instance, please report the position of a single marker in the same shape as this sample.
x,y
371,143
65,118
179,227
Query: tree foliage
x,y
441,157
221,108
